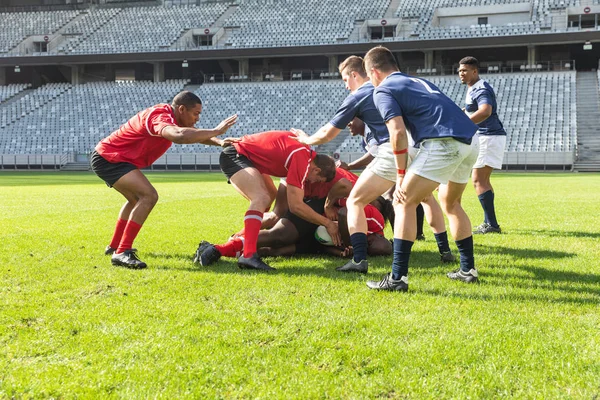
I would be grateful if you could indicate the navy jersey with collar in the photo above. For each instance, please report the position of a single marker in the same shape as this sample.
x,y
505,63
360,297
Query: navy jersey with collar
x,y
427,112
477,95
360,104
369,143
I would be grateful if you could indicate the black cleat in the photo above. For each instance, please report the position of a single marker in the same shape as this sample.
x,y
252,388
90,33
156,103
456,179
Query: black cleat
x,y
109,251
254,262
389,283
127,259
469,277
447,257
420,237
351,266
486,228
206,254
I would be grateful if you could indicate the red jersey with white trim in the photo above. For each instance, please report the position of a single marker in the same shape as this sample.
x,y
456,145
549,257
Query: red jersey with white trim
x,y
275,153
139,141
320,190
375,220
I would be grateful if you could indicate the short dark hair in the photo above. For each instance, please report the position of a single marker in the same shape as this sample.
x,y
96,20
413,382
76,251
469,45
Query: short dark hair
x,y
353,64
381,58
187,99
469,60
327,166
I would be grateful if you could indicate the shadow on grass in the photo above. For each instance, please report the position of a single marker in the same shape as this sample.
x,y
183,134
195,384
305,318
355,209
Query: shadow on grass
x,y
554,233
520,253
317,265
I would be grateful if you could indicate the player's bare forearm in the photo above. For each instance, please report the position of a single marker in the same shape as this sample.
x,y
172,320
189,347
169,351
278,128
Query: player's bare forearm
x,y
323,135
482,114
339,190
399,141
185,135
295,198
361,162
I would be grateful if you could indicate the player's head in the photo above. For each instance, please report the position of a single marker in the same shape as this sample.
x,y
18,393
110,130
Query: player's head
x,y
353,72
468,70
187,107
379,63
322,169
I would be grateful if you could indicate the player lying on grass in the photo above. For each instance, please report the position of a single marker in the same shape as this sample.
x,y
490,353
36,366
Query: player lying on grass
x,y
291,234
118,159
248,164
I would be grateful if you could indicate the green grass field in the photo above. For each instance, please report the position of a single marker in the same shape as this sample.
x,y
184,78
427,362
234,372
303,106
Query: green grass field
x,y
73,326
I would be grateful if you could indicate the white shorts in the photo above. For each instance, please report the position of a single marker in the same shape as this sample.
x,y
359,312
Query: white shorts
x,y
443,160
384,164
491,151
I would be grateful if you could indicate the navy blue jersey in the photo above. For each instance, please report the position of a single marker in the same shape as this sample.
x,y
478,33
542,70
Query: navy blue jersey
x,y
368,142
427,112
360,104
477,95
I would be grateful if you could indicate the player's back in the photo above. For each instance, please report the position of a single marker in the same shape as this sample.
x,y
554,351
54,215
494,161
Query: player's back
x,y
271,151
427,112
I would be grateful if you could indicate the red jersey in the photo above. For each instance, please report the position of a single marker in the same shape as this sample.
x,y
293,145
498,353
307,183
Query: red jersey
x,y
375,220
320,190
275,153
139,141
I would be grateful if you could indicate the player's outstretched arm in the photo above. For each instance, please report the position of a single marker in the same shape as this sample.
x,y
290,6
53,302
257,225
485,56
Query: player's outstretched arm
x,y
338,191
182,135
323,135
361,162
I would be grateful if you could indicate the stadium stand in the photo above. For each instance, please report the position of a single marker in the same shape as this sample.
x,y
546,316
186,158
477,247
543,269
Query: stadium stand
x,y
18,26
271,23
60,118
538,110
155,29
6,92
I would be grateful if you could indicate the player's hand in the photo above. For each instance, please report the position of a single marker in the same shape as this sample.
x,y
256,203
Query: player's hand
x,y
226,124
399,193
331,213
229,141
341,164
347,252
299,135
334,232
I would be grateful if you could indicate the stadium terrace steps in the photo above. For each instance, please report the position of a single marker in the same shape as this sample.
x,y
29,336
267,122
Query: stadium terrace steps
x,y
588,115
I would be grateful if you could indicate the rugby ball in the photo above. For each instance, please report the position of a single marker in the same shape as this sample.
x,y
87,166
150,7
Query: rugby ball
x,y
323,237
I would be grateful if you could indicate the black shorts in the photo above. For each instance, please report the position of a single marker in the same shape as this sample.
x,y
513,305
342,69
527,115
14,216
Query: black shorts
x,y
107,171
304,227
309,245
231,162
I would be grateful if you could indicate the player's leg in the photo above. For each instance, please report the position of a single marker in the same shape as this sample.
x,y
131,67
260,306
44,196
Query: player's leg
x,y
420,221
435,218
450,196
141,199
485,194
368,187
491,153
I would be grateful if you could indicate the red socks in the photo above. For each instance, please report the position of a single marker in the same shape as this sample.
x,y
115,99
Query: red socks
x,y
131,231
252,223
233,248
119,229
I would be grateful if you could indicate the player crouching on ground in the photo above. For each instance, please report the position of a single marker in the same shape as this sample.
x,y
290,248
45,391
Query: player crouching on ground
x,y
137,144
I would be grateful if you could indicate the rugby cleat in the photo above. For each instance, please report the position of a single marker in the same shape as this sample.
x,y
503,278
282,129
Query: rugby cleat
x,y
486,228
351,266
447,257
254,262
110,250
127,259
206,254
459,275
389,283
